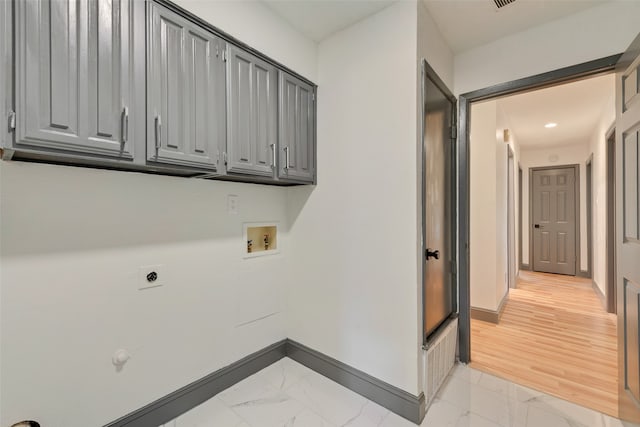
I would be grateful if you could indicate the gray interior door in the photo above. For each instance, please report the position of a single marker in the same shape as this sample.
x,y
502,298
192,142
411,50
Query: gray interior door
x,y
186,91
297,129
437,202
628,230
73,76
554,220
253,113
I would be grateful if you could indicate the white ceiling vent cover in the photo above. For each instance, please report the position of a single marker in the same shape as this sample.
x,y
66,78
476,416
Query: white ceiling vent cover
x,y
502,3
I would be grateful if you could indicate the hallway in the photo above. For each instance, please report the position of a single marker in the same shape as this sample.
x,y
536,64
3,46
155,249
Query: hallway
x,y
553,336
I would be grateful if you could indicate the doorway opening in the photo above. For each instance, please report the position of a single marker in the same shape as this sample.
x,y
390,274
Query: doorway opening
x,y
554,296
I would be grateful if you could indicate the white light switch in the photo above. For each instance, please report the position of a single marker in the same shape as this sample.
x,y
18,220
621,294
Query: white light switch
x,y
232,204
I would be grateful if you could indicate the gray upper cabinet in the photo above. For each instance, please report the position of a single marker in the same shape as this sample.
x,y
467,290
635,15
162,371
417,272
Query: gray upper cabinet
x,y
6,106
252,107
297,130
185,91
73,76
144,85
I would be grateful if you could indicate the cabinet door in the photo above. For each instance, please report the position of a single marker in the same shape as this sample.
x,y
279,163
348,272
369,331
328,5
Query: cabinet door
x,y
6,80
73,76
297,129
252,106
185,91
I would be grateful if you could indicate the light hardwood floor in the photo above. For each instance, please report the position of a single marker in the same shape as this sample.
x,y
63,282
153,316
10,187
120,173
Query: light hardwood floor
x,y
554,336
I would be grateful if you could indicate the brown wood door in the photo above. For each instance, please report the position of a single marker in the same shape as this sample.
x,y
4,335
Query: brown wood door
x,y
628,230
554,220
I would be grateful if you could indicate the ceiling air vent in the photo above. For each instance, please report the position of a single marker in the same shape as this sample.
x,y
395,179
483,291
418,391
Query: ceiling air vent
x,y
502,3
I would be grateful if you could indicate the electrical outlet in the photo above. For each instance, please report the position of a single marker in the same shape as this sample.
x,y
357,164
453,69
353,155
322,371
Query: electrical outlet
x,y
151,276
232,204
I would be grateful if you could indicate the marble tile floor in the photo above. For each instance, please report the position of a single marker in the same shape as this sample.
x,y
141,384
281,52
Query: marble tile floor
x,y
287,394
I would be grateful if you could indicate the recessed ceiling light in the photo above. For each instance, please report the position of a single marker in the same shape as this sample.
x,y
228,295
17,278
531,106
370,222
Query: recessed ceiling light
x,y
550,125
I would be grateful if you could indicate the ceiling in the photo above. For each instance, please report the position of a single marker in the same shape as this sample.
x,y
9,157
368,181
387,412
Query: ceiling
x,y
318,19
463,23
466,24
576,108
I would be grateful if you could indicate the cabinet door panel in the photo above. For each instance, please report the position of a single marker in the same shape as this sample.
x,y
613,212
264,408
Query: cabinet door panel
x,y
184,77
297,130
6,77
240,111
60,80
252,106
171,79
73,75
107,76
197,71
303,162
265,115
104,29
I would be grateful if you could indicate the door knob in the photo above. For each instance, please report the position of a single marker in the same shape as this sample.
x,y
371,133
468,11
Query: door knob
x,y
432,254
537,226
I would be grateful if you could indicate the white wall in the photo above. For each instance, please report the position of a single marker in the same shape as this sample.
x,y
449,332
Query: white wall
x,y
433,47
72,240
566,155
483,200
355,293
488,204
598,146
594,33
502,146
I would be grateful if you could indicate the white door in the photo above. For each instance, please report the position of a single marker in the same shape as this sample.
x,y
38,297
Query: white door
x,y
628,230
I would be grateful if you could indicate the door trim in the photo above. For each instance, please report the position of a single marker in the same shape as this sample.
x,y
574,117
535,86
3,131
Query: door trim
x,y
512,267
611,299
427,72
552,78
521,265
589,216
576,190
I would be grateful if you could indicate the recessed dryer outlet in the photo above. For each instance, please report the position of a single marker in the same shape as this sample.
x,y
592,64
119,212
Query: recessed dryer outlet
x,y
151,276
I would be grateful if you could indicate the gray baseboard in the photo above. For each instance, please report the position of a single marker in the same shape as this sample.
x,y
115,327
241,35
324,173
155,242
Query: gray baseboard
x,y
489,315
398,401
175,404
585,274
599,293
525,267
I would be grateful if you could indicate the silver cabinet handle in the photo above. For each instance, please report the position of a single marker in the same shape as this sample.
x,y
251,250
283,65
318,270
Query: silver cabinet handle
x,y
124,125
12,121
158,132
273,156
286,157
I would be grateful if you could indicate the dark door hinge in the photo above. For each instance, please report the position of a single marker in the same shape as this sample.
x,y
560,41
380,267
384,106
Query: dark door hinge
x,y
453,132
224,55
